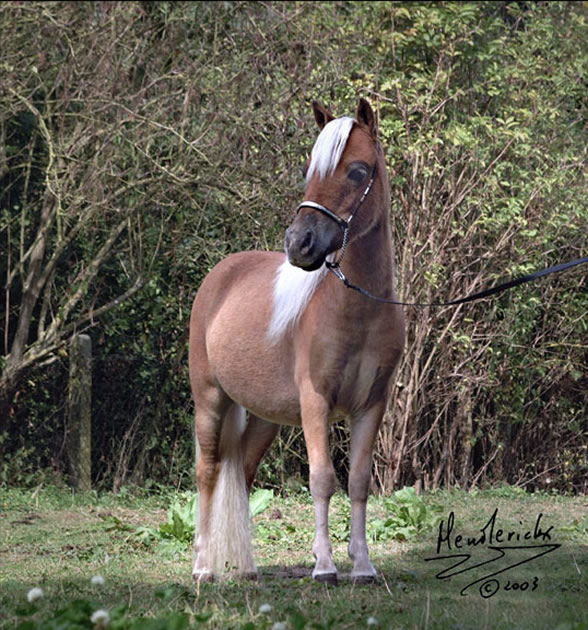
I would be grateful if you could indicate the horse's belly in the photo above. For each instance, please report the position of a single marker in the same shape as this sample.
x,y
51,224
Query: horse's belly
x,y
253,372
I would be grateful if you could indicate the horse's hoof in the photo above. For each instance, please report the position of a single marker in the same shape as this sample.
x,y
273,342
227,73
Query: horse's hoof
x,y
248,575
327,578
364,579
203,577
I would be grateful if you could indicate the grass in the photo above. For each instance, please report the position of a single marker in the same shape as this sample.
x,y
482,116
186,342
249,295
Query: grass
x,y
57,541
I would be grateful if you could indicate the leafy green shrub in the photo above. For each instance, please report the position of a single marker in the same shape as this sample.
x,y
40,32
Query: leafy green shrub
x,y
178,531
409,516
179,528
259,501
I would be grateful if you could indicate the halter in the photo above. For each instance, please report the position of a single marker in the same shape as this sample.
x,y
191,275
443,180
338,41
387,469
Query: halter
x,y
334,266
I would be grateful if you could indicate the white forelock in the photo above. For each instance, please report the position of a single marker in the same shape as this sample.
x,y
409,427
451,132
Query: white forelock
x,y
329,147
293,288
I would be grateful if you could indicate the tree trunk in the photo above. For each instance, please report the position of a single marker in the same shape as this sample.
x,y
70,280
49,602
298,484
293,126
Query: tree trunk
x,y
80,411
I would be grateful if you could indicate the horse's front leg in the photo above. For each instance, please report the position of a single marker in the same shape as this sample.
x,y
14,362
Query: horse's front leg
x,y
363,435
322,482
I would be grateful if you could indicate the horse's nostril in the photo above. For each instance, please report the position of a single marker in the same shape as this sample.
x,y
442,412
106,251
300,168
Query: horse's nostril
x,y
306,244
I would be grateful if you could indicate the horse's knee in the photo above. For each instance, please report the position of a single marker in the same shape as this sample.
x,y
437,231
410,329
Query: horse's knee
x,y
359,485
323,483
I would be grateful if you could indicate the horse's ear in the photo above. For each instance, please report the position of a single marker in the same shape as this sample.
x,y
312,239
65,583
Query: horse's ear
x,y
321,114
365,115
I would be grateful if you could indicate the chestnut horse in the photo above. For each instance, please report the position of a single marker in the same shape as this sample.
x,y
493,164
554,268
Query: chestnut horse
x,y
278,336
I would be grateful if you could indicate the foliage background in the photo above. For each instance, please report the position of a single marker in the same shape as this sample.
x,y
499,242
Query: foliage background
x,y
142,142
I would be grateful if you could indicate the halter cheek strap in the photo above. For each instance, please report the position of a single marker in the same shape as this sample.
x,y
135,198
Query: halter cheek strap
x,y
342,223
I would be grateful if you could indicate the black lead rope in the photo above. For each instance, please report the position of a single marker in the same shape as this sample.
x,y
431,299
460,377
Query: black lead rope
x,y
336,269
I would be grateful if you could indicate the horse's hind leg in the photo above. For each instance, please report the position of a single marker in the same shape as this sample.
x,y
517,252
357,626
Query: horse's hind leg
x,y
257,438
363,435
223,540
210,410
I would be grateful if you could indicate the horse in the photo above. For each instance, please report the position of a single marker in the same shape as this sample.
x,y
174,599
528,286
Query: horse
x,y
277,336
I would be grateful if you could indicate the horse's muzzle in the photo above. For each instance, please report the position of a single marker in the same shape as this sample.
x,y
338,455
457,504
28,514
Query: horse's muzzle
x,y
304,248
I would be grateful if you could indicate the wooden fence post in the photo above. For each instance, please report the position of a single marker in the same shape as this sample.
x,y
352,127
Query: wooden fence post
x,y
80,411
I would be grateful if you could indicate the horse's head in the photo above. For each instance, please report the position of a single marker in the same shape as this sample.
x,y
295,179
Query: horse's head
x,y
339,176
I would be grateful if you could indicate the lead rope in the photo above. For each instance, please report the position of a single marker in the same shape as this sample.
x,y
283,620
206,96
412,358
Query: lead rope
x,y
336,269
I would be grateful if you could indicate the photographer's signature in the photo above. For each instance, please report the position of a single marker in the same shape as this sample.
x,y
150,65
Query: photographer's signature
x,y
531,543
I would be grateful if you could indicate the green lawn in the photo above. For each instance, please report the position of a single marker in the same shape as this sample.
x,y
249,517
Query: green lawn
x,y
58,541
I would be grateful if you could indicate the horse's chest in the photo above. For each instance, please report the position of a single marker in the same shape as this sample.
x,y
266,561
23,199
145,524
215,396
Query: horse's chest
x,y
352,376
364,382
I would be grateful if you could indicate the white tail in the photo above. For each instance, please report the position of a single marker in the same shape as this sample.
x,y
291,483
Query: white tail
x,y
228,548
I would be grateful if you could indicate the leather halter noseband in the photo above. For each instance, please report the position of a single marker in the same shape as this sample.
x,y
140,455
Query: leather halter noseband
x,y
342,223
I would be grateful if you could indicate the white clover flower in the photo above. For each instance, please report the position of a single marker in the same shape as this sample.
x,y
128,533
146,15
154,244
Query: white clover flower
x,y
372,621
265,608
279,625
34,594
100,618
97,580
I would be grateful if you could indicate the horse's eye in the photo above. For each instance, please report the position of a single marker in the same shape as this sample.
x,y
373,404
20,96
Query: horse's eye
x,y
357,174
